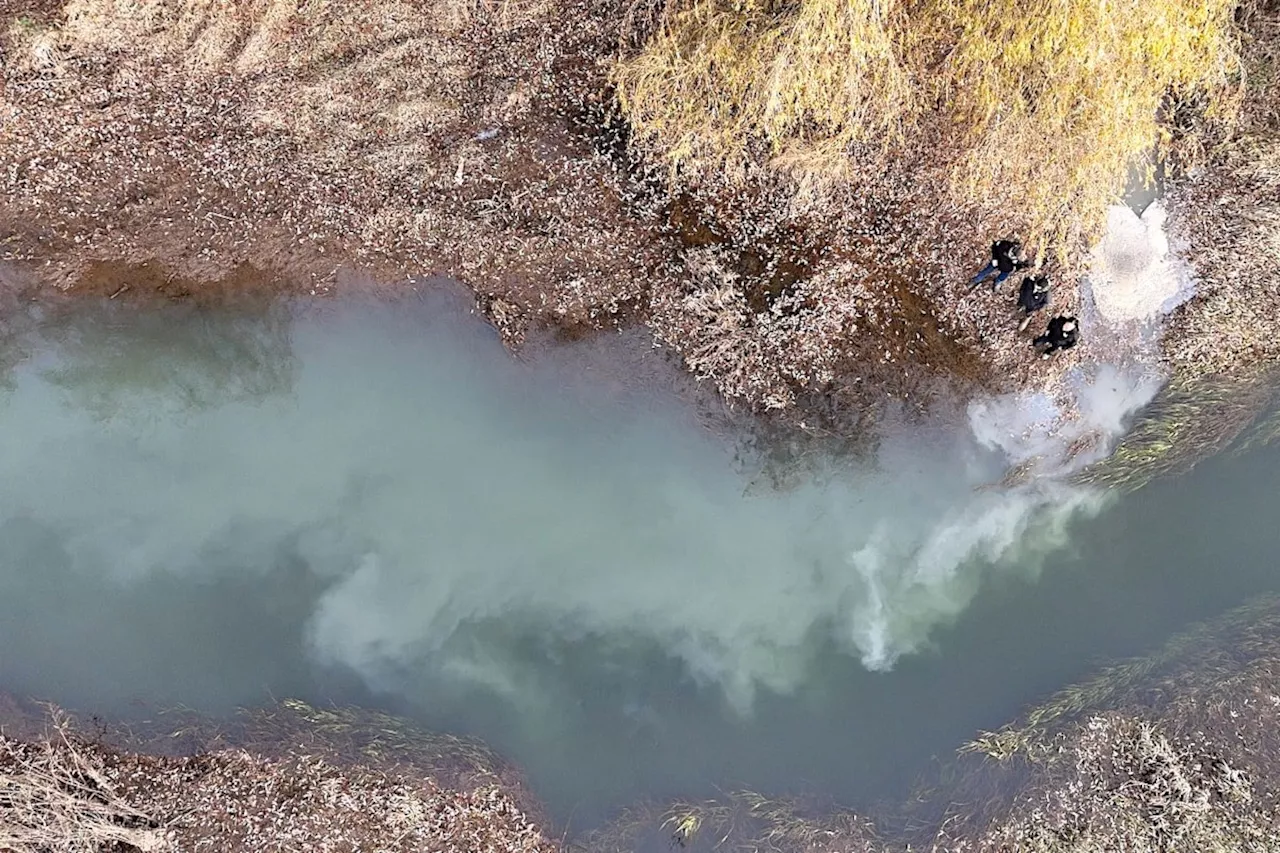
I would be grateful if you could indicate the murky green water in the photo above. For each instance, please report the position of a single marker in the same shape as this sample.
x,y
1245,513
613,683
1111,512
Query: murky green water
x,y
375,504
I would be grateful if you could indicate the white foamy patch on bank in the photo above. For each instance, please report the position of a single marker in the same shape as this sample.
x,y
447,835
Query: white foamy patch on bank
x,y
1040,438
1134,275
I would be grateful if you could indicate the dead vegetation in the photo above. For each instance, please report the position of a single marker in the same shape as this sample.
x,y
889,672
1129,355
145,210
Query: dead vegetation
x,y
1222,346
407,140
190,145
1228,217
968,91
71,793
1175,751
183,142
1121,782
55,797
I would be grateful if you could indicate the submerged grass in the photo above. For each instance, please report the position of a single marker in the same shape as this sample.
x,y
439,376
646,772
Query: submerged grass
x,y
372,737
1193,418
736,821
1208,652
1050,103
1175,751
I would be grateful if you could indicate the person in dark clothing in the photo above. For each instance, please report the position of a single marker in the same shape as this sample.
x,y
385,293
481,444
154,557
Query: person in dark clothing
x,y
1061,334
1032,296
1006,256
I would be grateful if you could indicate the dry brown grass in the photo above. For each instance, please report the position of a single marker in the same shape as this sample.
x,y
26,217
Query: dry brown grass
x,y
807,79
1177,751
1231,218
56,798
1228,216
64,793
1120,782
310,138
1048,105
401,138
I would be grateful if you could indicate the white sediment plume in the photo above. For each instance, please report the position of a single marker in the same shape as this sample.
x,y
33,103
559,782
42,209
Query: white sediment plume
x,y
1134,275
452,503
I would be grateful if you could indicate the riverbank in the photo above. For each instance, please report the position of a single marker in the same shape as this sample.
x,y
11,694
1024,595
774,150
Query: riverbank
x,y
199,149
1173,751
302,779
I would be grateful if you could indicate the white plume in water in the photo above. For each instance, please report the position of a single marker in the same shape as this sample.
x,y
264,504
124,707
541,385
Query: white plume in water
x,y
453,504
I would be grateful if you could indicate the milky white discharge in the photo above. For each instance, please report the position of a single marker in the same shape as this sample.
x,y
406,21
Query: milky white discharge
x,y
1135,277
449,496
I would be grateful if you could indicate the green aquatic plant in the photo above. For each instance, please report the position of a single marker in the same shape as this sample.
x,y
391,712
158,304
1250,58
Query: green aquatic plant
x,y
737,821
344,734
1190,420
369,736
1262,434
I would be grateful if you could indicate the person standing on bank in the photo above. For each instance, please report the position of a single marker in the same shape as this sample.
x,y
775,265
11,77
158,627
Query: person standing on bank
x,y
1062,333
1033,295
1006,257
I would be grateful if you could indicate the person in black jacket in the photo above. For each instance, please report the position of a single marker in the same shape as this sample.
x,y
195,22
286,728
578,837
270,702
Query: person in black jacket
x,y
1061,334
1033,295
1006,257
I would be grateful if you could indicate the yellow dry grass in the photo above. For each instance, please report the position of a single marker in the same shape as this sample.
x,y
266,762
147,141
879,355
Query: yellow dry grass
x,y
1047,105
810,80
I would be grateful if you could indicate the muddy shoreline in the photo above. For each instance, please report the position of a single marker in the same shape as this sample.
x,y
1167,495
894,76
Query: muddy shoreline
x,y
143,153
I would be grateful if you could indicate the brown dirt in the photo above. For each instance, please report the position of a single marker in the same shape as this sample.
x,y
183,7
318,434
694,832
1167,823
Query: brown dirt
x,y
116,279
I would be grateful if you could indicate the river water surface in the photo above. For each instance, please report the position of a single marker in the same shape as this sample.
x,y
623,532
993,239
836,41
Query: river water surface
x,y
375,503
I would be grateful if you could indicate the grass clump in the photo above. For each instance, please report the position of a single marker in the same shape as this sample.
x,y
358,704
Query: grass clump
x,y
56,797
744,821
1062,98
1193,418
808,79
1048,104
